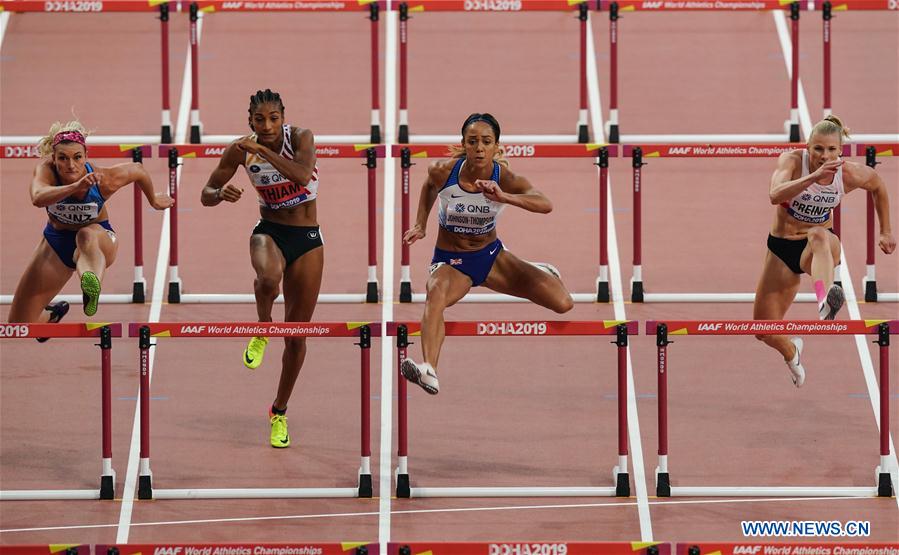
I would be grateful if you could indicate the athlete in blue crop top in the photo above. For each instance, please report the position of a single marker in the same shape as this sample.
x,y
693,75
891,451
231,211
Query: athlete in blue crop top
x,y
77,236
805,188
472,189
287,243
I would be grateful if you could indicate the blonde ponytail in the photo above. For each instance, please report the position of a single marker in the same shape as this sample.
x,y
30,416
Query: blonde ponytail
x,y
829,126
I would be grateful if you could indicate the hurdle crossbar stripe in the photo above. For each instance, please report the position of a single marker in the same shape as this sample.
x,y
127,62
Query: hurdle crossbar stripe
x,y
717,6
504,547
772,327
513,149
269,547
23,147
361,330
105,298
599,152
211,6
663,330
507,328
105,331
418,6
713,150
216,150
829,546
713,297
55,6
548,138
322,139
249,298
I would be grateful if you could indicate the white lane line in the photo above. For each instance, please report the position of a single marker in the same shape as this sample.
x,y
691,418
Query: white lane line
x,y
386,473
861,346
618,301
4,21
608,504
155,308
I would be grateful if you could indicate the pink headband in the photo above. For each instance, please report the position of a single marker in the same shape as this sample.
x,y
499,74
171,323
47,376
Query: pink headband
x,y
73,136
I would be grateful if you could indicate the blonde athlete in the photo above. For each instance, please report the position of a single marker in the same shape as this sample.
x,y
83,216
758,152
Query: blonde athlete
x,y
473,188
78,236
807,185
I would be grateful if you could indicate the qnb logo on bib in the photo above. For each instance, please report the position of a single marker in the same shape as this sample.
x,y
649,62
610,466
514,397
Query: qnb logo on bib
x,y
75,213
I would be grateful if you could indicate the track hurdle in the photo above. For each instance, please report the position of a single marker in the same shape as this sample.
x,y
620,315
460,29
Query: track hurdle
x,y
582,134
137,153
206,7
869,282
638,153
371,153
599,152
146,331
791,131
619,329
106,6
662,330
827,8
255,548
529,548
105,332
797,528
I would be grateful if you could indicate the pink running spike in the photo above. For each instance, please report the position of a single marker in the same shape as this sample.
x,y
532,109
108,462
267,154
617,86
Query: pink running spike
x,y
820,291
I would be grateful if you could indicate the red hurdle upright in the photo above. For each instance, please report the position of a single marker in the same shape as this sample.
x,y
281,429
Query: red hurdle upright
x,y
882,328
531,329
90,330
361,330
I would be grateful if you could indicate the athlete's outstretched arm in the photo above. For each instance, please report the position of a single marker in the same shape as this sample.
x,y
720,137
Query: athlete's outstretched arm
x,y
120,175
217,188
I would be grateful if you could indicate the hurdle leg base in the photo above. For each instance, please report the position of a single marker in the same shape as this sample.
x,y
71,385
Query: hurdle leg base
x,y
403,135
403,490
137,293
637,292
195,134
602,292
663,485
794,132
838,282
371,293
107,487
583,134
405,292
884,485
613,133
174,292
376,134
623,485
870,291
145,487
165,134
365,485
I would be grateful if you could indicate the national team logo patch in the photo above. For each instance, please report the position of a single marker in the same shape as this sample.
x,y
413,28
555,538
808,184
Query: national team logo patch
x,y
255,169
455,261
459,207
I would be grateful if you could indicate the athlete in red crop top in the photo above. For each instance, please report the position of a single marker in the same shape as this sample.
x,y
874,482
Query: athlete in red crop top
x,y
286,244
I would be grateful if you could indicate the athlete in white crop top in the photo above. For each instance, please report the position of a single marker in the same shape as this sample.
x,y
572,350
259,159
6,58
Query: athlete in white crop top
x,y
473,188
287,243
807,185
78,237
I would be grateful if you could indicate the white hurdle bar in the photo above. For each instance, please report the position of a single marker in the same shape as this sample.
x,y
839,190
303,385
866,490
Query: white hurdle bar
x,y
619,328
662,330
105,332
361,330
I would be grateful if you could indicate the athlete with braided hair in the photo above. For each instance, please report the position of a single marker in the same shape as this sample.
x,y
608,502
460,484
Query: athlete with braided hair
x,y
806,186
286,244
476,180
77,237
